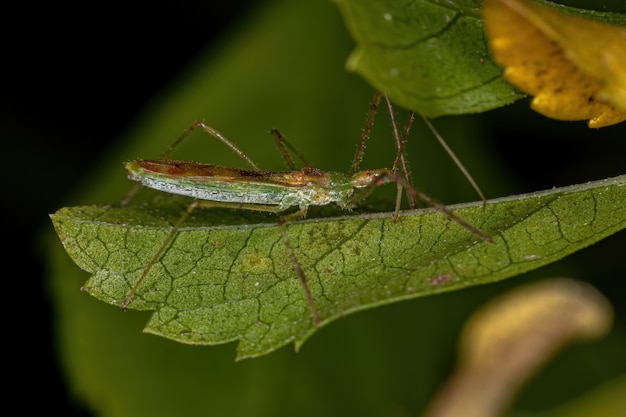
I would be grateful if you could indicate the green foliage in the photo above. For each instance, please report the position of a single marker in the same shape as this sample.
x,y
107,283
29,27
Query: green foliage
x,y
284,69
221,281
431,56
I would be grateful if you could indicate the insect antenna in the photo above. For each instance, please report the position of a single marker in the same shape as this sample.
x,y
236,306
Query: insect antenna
x,y
456,160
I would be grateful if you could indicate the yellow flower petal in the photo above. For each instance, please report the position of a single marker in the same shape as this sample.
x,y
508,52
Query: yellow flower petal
x,y
575,67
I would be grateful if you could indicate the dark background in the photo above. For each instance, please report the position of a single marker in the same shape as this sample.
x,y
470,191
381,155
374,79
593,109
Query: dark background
x,y
74,78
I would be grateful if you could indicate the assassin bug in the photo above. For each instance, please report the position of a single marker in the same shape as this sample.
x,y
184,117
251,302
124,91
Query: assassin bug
x,y
275,192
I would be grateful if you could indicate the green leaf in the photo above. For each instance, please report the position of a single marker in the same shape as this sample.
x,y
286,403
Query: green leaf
x,y
430,56
227,275
283,67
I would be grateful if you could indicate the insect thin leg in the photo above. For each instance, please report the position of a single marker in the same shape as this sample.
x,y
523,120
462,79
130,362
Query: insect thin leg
x,y
130,194
403,159
281,142
400,155
442,208
157,255
213,132
208,129
405,135
391,176
298,268
385,176
365,134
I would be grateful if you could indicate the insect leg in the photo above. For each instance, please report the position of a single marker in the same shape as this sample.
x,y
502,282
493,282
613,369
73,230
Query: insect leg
x,y
386,175
365,134
213,132
391,176
400,144
300,272
281,142
195,125
401,154
158,254
258,207
283,231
